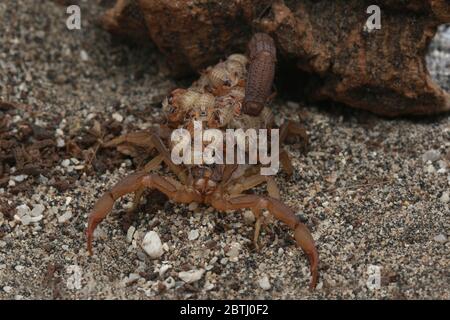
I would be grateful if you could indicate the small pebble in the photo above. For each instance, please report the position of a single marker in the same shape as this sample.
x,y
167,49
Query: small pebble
x,y
445,198
23,210
7,289
193,234
84,55
37,211
65,163
152,245
60,143
249,217
431,155
169,282
20,178
264,283
164,269
19,268
191,276
118,117
65,217
130,233
440,238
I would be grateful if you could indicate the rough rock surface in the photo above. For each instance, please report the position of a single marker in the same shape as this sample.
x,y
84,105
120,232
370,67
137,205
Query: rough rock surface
x,y
338,59
363,188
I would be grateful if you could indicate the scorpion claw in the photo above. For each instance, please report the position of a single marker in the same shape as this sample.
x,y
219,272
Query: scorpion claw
x,y
306,242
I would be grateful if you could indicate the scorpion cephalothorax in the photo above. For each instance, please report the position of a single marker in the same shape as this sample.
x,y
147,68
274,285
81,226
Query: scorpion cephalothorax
x,y
220,99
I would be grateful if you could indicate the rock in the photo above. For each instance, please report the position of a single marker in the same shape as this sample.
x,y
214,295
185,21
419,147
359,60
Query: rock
x,y
445,198
362,68
65,163
235,247
26,220
441,238
431,155
65,217
249,217
84,56
37,211
19,268
264,283
191,276
169,282
131,279
7,289
130,233
430,169
164,269
193,234
152,245
74,280
23,210
60,143
118,117
20,178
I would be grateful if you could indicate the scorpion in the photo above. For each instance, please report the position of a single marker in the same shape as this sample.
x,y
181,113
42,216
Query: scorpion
x,y
225,96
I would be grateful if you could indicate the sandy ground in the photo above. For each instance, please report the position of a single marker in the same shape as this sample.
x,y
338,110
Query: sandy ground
x,y
374,192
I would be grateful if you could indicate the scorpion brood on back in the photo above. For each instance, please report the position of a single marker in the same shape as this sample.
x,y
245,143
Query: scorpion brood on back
x,y
216,100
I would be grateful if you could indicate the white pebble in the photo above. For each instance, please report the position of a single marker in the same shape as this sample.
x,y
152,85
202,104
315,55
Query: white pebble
x,y
65,217
65,163
152,245
26,220
264,283
430,169
19,268
440,238
60,143
20,178
445,197
193,234
191,276
23,210
130,233
431,155
84,56
7,289
164,269
37,219
133,277
234,250
74,281
37,211
169,282
118,117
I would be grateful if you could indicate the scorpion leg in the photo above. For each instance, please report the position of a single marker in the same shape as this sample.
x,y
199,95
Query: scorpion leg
x,y
286,162
283,213
132,183
152,165
249,183
149,140
293,129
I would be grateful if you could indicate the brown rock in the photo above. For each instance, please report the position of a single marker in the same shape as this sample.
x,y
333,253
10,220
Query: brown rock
x,y
383,71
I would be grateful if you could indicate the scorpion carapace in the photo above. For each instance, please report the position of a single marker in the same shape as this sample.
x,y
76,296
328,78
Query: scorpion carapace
x,y
215,100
